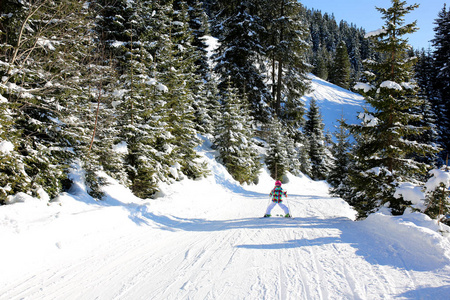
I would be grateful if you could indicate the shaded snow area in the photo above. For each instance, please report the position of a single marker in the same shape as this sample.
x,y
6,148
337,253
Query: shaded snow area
x,y
334,102
206,240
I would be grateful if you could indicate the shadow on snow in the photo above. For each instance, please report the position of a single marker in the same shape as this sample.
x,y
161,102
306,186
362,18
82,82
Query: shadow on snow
x,y
374,250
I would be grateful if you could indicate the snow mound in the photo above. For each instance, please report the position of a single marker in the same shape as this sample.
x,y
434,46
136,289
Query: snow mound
x,y
414,235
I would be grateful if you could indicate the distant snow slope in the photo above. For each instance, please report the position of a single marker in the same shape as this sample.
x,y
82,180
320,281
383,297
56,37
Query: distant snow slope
x,y
206,240
334,102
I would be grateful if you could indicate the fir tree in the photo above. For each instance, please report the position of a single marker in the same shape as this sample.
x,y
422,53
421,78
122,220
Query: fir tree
x,y
438,195
176,70
286,47
322,64
206,106
276,157
240,52
340,71
198,23
317,153
41,58
234,142
383,145
339,173
441,56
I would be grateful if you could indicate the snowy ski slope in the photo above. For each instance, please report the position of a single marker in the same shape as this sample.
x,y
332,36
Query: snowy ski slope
x,y
206,240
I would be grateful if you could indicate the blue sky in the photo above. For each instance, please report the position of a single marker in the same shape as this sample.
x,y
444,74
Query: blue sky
x,y
363,14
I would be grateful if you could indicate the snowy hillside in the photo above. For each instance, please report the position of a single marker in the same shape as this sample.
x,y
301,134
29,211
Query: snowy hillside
x,y
206,240
334,102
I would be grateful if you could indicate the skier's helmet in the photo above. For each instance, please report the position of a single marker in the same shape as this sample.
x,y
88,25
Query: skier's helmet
x,y
278,183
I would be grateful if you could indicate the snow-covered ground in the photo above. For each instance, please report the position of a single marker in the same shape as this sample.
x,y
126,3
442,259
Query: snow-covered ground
x,y
334,102
206,240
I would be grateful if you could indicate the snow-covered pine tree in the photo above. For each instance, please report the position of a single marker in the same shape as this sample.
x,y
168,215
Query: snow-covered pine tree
x,y
240,52
441,56
303,156
234,138
383,147
340,70
203,87
313,129
438,195
338,177
277,159
139,127
90,80
286,47
198,24
322,63
175,69
207,106
44,42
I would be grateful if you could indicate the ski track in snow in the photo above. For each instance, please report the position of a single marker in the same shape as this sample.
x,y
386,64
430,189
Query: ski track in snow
x,y
214,245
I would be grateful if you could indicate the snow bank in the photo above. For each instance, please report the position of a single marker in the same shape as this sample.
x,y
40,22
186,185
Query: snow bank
x,y
414,235
417,194
413,193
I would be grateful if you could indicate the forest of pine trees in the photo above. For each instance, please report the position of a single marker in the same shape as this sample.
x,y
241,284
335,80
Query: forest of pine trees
x,y
125,88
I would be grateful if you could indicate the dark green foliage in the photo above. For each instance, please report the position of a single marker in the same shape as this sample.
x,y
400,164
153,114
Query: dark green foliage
x,y
41,61
438,203
313,130
233,139
383,144
441,61
325,36
338,177
340,70
277,156
240,52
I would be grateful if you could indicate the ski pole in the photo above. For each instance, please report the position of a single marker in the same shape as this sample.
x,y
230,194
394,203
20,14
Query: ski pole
x,y
289,207
267,205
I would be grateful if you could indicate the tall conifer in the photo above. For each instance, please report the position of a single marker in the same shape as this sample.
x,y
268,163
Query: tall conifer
x,y
384,145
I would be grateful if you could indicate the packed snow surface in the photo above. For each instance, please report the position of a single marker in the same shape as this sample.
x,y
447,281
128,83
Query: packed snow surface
x,y
206,240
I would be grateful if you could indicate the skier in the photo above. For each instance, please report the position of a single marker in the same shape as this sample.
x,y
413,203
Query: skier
x,y
277,194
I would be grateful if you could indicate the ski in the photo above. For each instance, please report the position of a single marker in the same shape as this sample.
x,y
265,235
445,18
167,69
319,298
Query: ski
x,y
277,216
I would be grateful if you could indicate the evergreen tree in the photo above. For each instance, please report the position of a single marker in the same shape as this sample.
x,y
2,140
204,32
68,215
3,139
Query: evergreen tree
x,y
313,130
198,24
382,144
340,71
339,173
240,52
286,47
128,43
322,64
276,157
40,57
234,142
438,195
441,56
207,106
176,70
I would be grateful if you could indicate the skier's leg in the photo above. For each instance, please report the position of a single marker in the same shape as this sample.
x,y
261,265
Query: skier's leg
x,y
270,207
284,207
